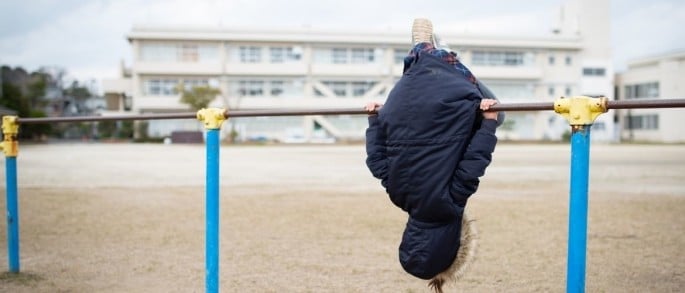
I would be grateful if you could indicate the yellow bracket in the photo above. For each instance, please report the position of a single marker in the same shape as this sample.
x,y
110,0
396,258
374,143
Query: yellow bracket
x,y
580,110
212,117
10,129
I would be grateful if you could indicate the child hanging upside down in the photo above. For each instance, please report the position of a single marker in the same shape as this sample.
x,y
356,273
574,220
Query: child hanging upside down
x,y
429,144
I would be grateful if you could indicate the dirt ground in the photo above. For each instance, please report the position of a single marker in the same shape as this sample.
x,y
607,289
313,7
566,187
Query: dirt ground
x,y
130,218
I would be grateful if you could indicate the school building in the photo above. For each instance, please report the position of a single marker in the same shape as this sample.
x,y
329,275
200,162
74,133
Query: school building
x,y
257,68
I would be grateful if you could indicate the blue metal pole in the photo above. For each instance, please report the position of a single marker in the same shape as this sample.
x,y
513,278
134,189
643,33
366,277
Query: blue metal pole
x,y
578,207
12,214
212,201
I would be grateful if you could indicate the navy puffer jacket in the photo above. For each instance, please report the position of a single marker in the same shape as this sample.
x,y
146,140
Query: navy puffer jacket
x,y
429,145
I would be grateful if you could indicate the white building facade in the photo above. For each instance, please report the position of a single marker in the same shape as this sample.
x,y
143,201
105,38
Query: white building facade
x,y
654,77
309,68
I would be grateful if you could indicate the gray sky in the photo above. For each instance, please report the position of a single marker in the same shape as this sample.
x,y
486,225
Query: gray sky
x,y
87,38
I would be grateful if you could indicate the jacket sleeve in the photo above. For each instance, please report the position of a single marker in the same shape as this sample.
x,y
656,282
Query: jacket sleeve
x,y
376,157
475,160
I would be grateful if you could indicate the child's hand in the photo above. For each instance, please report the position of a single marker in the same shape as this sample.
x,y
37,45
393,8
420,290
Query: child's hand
x,y
485,105
372,106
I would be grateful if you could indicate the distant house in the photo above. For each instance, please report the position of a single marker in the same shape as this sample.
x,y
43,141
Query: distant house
x,y
654,77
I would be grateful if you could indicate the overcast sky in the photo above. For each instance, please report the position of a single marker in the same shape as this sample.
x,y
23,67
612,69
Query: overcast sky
x,y
87,37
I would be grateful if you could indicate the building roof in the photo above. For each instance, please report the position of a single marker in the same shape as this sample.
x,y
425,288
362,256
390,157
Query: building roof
x,y
311,35
653,59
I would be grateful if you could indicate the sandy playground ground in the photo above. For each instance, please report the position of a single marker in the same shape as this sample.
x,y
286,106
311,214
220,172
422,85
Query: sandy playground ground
x,y
130,218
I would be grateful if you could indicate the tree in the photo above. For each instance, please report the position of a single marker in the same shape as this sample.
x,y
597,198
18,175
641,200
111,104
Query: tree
x,y
36,89
12,98
14,84
198,97
25,93
78,94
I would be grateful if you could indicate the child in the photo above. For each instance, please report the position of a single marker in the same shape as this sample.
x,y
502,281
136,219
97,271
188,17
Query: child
x,y
429,144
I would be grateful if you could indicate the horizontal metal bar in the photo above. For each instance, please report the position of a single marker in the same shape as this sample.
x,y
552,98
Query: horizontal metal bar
x,y
652,103
536,106
193,115
358,111
296,112
540,106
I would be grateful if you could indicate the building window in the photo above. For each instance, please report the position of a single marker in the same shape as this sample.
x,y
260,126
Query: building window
x,y
187,53
642,90
513,59
567,92
189,84
344,89
551,60
513,90
339,55
550,91
359,88
592,71
344,55
294,53
196,53
283,54
276,88
158,52
569,61
400,54
153,87
598,126
169,86
178,52
498,58
362,55
208,53
250,54
646,122
339,88
277,54
628,89
281,88
251,88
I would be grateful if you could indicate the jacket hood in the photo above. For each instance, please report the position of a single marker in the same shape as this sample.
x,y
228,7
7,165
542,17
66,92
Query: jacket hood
x,y
428,248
